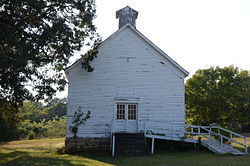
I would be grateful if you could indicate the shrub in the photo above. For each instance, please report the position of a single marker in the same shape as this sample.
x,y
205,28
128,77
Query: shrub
x,y
79,118
31,135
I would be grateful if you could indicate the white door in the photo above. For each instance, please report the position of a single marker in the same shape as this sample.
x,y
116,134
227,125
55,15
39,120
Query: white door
x,y
131,118
126,117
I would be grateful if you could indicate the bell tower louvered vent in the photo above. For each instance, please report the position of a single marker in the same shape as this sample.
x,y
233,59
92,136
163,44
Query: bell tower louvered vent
x,y
126,15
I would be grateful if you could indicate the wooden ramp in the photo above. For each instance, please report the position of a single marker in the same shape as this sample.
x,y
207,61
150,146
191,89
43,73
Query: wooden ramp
x,y
215,138
216,147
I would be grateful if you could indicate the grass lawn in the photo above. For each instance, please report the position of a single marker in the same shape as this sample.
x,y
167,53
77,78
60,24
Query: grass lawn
x,y
42,152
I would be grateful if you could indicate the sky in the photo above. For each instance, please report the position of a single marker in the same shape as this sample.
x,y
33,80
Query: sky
x,y
197,34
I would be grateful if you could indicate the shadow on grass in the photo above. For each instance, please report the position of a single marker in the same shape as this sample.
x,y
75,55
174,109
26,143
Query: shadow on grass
x,y
4,143
105,157
20,158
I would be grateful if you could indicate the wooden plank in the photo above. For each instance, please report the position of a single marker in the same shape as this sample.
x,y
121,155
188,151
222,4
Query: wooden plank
x,y
171,138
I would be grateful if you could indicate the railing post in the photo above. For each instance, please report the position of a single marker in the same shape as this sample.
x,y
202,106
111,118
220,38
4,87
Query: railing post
x,y
112,126
152,145
221,140
245,142
192,131
199,132
113,146
231,138
209,133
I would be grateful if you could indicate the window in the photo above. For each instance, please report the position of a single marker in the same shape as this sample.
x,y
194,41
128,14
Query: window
x,y
132,111
120,111
126,111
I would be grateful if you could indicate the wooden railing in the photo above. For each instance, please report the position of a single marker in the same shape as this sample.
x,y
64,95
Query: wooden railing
x,y
198,132
226,136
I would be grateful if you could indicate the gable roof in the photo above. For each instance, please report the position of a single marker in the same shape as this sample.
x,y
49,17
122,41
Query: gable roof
x,y
185,72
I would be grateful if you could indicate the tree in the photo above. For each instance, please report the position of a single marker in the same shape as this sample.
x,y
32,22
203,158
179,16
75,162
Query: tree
x,y
219,95
37,37
56,108
8,130
32,111
36,111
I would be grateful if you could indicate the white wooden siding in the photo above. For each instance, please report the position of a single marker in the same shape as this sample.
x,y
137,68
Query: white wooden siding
x,y
126,67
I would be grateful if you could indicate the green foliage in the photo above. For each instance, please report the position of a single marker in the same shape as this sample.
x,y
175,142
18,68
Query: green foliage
x,y
43,120
56,108
8,111
36,38
36,120
55,128
8,130
36,111
8,121
78,119
90,55
32,111
43,129
219,95
27,127
31,135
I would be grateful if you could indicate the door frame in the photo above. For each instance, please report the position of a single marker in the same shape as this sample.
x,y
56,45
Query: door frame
x,y
126,102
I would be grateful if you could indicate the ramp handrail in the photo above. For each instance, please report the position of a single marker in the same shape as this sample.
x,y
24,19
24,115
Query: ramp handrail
x,y
208,132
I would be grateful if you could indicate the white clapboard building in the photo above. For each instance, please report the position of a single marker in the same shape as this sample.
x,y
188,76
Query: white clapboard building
x,y
134,85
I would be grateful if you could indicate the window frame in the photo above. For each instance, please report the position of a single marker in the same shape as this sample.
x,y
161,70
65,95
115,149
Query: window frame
x,y
120,116
132,112
126,104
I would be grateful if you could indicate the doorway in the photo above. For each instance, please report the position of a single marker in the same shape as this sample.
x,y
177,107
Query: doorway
x,y
126,116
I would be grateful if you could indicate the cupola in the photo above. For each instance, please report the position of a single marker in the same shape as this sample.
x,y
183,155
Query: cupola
x,y
126,15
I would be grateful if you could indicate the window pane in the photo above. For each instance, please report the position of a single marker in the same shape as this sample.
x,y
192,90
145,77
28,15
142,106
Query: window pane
x,y
132,111
120,111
